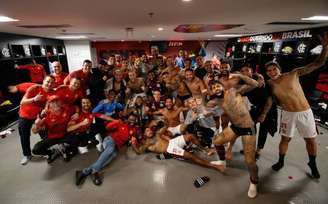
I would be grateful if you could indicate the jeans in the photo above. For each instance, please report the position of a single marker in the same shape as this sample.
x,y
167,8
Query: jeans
x,y
24,128
105,157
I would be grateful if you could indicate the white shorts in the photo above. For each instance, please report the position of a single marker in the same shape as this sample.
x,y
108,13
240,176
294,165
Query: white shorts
x,y
176,146
175,130
302,121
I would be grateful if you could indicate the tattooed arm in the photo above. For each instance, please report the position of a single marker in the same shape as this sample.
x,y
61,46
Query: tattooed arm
x,y
250,84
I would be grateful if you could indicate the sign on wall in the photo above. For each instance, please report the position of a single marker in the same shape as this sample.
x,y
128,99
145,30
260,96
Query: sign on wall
x,y
291,35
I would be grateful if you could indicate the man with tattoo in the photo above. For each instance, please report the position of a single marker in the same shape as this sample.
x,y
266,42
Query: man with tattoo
x,y
296,112
161,142
242,125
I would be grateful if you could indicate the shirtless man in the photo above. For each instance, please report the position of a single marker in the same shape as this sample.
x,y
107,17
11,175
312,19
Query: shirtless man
x,y
228,81
242,125
171,68
195,85
135,86
172,116
162,143
296,112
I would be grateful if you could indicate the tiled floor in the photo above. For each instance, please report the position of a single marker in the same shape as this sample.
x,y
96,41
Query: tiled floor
x,y
144,179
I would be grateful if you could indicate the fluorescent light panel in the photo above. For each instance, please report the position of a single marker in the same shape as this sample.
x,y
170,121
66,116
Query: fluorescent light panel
x,y
7,19
316,18
66,37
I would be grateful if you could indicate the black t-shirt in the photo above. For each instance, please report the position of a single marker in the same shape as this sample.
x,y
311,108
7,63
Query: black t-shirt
x,y
96,83
200,72
259,95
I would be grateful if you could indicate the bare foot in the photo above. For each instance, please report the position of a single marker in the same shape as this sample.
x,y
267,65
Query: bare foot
x,y
220,168
211,151
228,154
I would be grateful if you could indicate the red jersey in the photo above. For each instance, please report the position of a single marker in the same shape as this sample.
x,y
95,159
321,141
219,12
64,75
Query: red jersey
x,y
37,72
67,95
82,76
22,87
31,110
56,125
122,132
81,117
59,78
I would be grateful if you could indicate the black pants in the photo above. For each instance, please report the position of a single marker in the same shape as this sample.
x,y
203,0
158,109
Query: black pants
x,y
83,138
98,127
42,147
269,125
24,128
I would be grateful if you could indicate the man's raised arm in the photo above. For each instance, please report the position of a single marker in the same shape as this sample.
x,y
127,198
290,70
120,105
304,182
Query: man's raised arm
x,y
319,61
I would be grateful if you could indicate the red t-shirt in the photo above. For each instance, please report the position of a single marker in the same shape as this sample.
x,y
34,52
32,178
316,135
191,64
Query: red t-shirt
x,y
37,72
56,125
59,78
67,95
122,132
31,110
22,87
81,117
82,76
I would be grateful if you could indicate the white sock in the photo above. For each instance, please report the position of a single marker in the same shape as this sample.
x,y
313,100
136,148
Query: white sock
x,y
252,191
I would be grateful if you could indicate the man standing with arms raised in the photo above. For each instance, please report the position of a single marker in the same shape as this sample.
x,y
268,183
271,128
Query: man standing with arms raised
x,y
296,111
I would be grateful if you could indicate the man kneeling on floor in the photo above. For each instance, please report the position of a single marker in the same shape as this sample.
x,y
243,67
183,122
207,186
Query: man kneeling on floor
x,y
118,133
52,121
161,142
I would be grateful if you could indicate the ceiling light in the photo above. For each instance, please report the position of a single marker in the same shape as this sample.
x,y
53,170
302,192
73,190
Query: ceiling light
x,y
71,37
122,40
186,0
227,35
316,18
160,28
7,19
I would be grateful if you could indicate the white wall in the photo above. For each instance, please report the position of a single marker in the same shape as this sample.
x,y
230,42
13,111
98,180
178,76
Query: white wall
x,y
77,51
94,57
215,48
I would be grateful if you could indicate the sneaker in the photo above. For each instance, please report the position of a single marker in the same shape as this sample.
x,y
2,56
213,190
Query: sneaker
x,y
83,150
53,156
25,160
96,179
99,147
63,153
98,138
80,178
252,190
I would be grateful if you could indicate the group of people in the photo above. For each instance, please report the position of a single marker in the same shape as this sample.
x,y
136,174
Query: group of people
x,y
167,106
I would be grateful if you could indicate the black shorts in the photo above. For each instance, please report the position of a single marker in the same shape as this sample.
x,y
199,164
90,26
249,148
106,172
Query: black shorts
x,y
243,131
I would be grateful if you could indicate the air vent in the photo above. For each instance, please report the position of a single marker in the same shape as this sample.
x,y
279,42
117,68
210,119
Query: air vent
x,y
291,23
46,26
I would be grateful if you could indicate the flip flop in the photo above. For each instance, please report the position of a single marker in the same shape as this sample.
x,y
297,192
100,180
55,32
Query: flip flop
x,y
200,181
